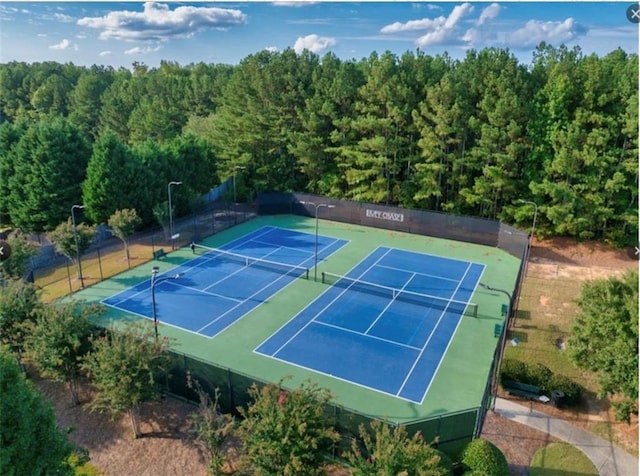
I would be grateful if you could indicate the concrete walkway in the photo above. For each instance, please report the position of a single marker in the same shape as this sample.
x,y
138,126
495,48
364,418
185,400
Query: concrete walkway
x,y
607,458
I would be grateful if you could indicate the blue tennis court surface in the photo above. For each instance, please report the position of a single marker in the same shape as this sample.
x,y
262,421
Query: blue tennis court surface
x,y
386,335
218,288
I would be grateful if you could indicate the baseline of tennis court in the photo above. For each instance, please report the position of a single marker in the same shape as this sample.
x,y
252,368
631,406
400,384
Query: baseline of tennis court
x,y
386,325
219,286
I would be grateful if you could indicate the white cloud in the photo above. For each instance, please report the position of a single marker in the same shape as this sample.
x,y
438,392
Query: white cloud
x,y
62,17
428,6
158,22
438,30
456,14
42,35
313,43
446,30
142,50
104,53
272,49
552,32
64,45
412,25
298,3
489,13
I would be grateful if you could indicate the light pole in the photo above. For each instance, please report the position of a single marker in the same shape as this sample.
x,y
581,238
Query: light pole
x,y
317,207
235,211
533,229
154,272
535,213
494,385
75,237
489,288
171,210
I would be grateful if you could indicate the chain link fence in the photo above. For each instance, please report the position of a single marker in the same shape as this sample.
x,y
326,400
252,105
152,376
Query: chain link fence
x,y
57,275
448,432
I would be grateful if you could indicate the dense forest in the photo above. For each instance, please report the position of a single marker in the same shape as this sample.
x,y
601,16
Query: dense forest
x,y
478,136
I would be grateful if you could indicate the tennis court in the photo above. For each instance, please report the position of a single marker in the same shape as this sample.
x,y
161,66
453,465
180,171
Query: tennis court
x,y
220,286
386,325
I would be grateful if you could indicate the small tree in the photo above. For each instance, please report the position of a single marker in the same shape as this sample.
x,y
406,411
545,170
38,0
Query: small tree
x,y
30,442
604,338
212,427
19,305
161,214
286,433
64,238
59,339
385,450
17,264
483,457
123,223
126,366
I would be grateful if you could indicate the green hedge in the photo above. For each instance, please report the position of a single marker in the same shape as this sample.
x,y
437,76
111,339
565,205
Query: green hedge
x,y
538,374
483,457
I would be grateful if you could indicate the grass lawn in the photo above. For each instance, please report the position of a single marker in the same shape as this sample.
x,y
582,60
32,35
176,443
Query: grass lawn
x,y
556,458
62,280
546,312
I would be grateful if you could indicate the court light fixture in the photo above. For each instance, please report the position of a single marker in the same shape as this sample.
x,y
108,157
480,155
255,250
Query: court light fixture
x,y
317,207
533,229
75,237
235,211
171,209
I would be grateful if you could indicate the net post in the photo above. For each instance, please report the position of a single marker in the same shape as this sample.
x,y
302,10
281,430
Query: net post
x,y
323,281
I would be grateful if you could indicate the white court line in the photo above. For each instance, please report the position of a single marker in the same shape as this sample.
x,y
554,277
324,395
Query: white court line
x,y
351,382
283,247
242,268
426,390
367,336
325,307
393,299
419,274
260,290
433,332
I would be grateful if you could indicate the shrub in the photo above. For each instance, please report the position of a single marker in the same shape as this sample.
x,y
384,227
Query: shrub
x,y
483,457
513,370
572,391
539,375
383,449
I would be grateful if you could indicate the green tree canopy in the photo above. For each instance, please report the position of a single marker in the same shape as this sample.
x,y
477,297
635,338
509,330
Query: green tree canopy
x,y
49,165
604,337
19,305
64,238
386,450
286,432
126,366
59,339
483,457
30,441
22,250
123,223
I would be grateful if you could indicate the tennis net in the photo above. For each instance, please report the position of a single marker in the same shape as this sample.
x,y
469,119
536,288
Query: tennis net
x,y
244,260
412,297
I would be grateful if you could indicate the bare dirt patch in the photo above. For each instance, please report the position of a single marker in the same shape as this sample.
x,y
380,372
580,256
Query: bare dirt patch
x,y
517,442
589,254
164,449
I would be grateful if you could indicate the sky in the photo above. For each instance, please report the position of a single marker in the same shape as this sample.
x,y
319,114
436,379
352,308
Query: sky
x,y
120,33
